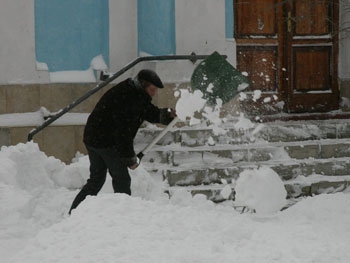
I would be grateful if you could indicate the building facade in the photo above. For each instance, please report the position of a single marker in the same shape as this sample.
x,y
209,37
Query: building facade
x,y
52,51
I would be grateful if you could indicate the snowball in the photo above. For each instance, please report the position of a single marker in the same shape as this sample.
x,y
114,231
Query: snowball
x,y
260,189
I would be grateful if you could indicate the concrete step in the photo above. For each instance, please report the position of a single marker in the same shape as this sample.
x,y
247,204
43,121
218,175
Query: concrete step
x,y
199,173
176,154
292,131
294,188
318,151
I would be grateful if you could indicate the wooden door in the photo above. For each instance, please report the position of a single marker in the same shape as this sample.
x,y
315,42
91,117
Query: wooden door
x,y
289,50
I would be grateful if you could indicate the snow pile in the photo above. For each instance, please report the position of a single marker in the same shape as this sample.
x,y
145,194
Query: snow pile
x,y
260,189
143,185
36,192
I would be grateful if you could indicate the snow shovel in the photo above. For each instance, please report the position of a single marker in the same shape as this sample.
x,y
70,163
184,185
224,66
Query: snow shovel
x,y
216,78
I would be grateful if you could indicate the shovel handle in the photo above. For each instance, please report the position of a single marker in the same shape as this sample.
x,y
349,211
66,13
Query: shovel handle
x,y
140,155
160,135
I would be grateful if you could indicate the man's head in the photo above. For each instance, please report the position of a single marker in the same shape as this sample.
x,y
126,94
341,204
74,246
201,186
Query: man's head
x,y
149,81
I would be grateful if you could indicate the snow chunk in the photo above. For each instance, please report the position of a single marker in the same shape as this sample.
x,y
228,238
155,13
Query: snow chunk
x,y
189,103
42,66
226,191
210,88
243,123
242,86
256,95
242,96
98,63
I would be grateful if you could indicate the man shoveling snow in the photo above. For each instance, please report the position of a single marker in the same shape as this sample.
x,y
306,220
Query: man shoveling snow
x,y
112,127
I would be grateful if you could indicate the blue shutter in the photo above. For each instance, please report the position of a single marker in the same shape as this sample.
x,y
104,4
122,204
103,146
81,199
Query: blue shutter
x,y
70,33
229,18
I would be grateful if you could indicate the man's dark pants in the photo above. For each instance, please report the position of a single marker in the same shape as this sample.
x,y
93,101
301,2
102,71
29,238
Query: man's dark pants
x,y
102,160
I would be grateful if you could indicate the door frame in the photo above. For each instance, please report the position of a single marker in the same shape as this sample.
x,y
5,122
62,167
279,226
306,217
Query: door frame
x,y
288,100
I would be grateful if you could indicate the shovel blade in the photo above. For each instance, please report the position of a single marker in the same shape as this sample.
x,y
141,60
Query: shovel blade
x,y
216,78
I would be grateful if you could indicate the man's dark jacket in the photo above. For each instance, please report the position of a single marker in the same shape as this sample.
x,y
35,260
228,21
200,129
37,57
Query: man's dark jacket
x,y
117,117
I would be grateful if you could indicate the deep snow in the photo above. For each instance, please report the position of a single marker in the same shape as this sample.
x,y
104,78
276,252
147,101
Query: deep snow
x,y
36,192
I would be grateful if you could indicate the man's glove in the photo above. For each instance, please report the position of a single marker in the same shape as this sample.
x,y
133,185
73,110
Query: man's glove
x,y
167,115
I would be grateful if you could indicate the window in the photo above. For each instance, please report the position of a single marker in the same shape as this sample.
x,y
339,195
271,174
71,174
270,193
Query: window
x,y
70,33
156,27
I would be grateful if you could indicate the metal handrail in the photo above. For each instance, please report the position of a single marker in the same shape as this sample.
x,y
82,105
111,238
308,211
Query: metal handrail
x,y
193,57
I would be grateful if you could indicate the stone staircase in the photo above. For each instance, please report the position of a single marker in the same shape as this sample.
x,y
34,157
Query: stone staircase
x,y
311,157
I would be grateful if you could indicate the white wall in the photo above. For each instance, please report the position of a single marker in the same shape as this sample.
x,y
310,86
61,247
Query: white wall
x,y
17,48
123,34
200,28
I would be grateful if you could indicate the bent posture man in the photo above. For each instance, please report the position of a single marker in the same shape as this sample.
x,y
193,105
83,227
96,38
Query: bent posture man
x,y
111,129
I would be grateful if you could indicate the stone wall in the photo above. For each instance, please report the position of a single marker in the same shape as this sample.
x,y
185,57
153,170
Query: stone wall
x,y
60,141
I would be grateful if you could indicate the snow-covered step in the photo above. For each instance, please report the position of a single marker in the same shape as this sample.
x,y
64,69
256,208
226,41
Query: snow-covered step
x,y
302,186
305,130
176,154
196,173
293,131
212,192
194,157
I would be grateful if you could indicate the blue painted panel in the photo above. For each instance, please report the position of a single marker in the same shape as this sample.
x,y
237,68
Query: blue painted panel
x,y
69,33
229,18
156,27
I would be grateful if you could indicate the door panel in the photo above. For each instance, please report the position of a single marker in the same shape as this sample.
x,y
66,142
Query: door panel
x,y
261,63
311,17
262,21
312,67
